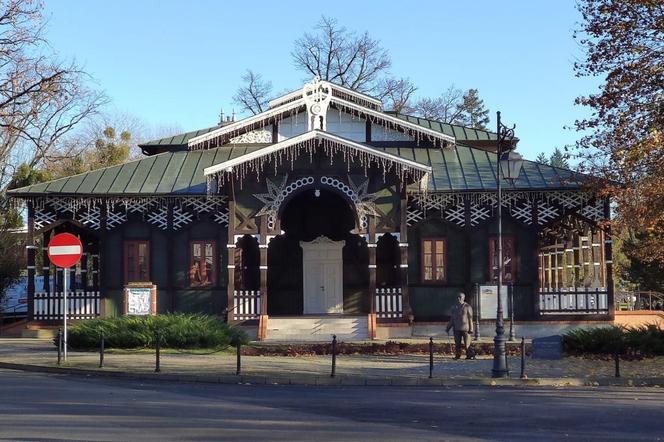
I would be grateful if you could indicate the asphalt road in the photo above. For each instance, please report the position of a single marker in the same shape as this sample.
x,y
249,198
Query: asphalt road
x,y
46,407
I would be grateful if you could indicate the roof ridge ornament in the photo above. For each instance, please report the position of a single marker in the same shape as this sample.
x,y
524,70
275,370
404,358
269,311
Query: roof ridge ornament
x,y
317,95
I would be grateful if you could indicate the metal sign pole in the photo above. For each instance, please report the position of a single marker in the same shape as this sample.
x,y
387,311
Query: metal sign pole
x,y
65,270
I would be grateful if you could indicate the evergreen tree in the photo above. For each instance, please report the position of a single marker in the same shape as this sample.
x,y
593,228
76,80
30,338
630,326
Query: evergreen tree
x,y
473,113
558,159
542,158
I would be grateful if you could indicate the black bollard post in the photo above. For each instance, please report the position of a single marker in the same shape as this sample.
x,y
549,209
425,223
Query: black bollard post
x,y
238,352
430,357
101,350
334,356
523,358
617,358
59,346
157,346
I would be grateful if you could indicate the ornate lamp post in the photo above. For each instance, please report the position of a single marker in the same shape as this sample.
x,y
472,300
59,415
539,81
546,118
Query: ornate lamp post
x,y
509,167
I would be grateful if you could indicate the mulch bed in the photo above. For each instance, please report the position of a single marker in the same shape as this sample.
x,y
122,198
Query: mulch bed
x,y
383,349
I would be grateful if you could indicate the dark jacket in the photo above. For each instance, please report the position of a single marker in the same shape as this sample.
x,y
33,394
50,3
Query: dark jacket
x,y
461,318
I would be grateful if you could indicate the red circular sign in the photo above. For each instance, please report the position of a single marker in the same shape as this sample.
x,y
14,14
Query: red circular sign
x,y
64,250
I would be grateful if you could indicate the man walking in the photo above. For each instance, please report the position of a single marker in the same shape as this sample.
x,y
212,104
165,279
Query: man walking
x,y
461,320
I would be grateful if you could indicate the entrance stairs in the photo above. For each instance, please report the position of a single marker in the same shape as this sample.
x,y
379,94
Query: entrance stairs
x,y
317,328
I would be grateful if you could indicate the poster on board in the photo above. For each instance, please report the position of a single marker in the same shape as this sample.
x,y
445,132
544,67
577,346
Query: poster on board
x,y
489,301
140,300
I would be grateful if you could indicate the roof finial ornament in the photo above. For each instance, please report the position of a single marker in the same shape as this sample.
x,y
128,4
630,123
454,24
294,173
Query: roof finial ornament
x,y
221,116
317,95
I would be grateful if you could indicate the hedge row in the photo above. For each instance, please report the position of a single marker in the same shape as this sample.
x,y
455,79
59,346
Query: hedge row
x,y
179,330
644,341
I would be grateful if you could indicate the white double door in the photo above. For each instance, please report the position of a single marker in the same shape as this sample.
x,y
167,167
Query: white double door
x,y
322,261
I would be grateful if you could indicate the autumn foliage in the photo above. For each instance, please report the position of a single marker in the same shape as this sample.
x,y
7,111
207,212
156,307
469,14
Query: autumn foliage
x,y
623,137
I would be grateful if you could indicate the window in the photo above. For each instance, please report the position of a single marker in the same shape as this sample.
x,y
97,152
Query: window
x,y
137,261
203,270
509,262
434,260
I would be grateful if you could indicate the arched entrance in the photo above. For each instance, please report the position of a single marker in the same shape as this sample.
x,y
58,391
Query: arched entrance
x,y
317,239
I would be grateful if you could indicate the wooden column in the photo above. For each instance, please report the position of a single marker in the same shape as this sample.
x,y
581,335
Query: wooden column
x,y
170,252
608,255
230,285
403,247
31,251
468,286
46,263
371,244
262,245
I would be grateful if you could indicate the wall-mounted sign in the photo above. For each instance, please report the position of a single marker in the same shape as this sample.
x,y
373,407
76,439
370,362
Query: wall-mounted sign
x,y
489,301
140,299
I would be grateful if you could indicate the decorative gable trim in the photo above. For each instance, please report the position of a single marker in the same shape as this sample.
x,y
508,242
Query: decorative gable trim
x,y
315,97
309,141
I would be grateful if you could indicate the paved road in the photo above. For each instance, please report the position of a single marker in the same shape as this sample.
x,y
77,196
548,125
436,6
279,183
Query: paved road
x,y
37,406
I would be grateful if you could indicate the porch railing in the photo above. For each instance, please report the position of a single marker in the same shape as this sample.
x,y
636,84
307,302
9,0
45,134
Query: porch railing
x,y
581,300
246,304
389,303
50,306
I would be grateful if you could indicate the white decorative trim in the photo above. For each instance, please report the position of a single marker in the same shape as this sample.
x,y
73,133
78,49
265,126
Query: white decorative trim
x,y
403,266
403,244
372,266
262,267
330,142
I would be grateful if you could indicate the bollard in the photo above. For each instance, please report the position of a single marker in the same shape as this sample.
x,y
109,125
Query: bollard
x,y
430,357
334,356
59,346
523,358
157,346
617,358
101,350
238,352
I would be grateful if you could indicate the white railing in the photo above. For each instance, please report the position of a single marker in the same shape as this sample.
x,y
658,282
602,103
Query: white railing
x,y
246,304
389,303
50,306
580,300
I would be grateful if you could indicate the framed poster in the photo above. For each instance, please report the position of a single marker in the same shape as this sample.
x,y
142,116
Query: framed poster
x,y
489,301
140,299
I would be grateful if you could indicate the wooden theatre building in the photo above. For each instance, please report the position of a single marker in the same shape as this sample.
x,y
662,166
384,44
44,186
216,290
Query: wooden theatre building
x,y
324,214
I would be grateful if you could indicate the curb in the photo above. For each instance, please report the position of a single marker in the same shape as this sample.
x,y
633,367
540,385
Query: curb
x,y
344,380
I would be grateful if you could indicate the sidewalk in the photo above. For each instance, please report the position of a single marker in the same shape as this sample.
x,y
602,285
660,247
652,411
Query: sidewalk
x,y
40,355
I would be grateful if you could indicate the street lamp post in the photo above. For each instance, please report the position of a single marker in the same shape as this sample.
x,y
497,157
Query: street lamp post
x,y
508,166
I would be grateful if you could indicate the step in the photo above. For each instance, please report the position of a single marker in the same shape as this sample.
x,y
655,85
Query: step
x,y
318,329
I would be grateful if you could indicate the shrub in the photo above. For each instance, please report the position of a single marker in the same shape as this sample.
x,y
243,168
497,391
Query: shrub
x,y
177,330
643,341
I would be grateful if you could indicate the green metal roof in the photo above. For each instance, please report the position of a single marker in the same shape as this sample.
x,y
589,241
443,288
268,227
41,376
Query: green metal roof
x,y
169,173
179,139
465,168
456,169
461,133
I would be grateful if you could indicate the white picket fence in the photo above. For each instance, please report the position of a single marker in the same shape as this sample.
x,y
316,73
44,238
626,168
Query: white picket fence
x,y
50,306
389,303
246,305
581,300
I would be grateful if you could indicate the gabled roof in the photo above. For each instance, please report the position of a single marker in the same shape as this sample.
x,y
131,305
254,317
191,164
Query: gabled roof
x,y
329,141
221,134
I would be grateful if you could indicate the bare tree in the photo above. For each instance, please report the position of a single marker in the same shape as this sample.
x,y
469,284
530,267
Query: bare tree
x,y
446,108
396,94
335,54
42,100
254,94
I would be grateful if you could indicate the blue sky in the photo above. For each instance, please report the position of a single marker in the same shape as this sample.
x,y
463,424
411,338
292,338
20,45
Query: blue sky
x,y
178,62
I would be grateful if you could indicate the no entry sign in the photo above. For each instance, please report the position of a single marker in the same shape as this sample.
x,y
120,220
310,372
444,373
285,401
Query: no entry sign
x,y
64,250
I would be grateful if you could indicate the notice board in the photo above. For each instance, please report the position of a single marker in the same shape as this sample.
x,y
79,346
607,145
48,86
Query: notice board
x,y
489,301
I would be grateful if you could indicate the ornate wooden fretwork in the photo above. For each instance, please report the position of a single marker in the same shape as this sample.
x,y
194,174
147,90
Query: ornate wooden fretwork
x,y
550,206
109,213
277,192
